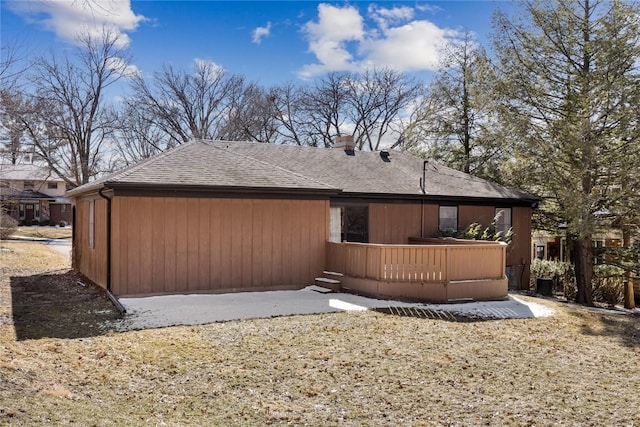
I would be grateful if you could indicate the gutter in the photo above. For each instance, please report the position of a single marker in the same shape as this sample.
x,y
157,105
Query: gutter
x,y
108,199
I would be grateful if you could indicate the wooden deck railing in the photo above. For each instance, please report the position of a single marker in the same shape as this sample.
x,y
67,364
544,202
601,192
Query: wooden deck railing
x,y
419,263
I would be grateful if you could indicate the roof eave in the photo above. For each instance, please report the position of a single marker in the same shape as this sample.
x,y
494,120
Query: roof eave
x,y
174,189
519,201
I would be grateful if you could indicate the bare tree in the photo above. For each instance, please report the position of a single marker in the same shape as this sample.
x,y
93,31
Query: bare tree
x,y
288,113
65,117
366,105
375,98
253,118
12,69
137,136
187,106
323,107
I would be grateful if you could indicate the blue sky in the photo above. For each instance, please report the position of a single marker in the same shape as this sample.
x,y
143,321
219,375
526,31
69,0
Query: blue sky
x,y
269,42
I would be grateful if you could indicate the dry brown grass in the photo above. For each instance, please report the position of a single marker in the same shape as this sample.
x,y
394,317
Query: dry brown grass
x,y
19,258
48,232
580,367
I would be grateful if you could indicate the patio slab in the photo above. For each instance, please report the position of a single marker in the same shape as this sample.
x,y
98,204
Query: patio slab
x,y
198,309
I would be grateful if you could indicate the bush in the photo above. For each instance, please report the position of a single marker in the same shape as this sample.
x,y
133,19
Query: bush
x,y
608,284
7,226
560,272
62,224
27,223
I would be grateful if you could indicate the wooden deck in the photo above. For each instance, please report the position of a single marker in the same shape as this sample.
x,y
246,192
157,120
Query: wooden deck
x,y
440,271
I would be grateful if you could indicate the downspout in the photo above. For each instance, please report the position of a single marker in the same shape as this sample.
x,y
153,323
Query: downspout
x,y
108,199
112,297
422,185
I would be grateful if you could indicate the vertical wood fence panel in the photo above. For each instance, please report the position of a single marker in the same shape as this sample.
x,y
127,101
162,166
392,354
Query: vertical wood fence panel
x,y
418,263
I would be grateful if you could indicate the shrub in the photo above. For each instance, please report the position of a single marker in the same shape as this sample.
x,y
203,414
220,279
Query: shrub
x,y
608,284
62,224
7,226
476,231
560,272
28,222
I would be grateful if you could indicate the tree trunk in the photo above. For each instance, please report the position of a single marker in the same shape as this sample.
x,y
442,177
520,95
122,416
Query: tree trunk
x,y
629,298
584,270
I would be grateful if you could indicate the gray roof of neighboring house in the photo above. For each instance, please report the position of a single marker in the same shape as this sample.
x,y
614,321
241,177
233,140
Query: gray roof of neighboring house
x,y
10,193
284,167
27,172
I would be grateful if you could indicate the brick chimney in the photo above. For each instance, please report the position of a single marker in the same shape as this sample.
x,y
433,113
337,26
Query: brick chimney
x,y
346,143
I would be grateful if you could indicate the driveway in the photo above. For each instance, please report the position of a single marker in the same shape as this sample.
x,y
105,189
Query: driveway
x,y
197,309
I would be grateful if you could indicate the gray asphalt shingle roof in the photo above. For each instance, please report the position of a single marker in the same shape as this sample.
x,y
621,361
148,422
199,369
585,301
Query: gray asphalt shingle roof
x,y
253,165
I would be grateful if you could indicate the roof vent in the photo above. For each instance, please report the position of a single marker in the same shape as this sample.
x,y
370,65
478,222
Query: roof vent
x,y
385,155
346,143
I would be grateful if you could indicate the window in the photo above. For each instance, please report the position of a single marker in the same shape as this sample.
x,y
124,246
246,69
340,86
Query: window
x,y
448,218
503,220
92,216
598,252
356,224
52,185
63,208
28,185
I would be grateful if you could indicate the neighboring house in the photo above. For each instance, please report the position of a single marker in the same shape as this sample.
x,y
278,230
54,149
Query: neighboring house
x,y
30,193
211,216
553,247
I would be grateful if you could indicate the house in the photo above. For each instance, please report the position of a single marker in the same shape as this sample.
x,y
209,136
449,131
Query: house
x,y
215,216
30,193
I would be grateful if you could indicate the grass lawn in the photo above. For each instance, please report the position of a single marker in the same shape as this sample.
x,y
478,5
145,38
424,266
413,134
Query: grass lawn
x,y
579,367
48,232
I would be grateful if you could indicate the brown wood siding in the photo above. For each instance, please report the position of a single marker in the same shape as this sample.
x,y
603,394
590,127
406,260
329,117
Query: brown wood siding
x,y
171,245
519,250
391,223
92,262
468,214
394,223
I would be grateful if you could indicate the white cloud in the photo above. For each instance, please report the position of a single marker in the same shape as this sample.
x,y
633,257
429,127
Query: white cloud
x,y
395,38
329,35
207,64
261,32
72,18
384,17
411,47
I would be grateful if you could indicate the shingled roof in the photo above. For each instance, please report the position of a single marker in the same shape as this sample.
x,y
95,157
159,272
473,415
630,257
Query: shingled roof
x,y
235,165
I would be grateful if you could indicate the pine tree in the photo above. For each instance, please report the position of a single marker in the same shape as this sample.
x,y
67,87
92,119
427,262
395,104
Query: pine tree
x,y
569,68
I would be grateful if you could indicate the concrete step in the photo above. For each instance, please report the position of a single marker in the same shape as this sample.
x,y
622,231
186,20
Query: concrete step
x,y
332,274
332,284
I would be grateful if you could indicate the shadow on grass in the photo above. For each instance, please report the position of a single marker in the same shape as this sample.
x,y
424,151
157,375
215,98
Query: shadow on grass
x,y
624,327
425,313
54,305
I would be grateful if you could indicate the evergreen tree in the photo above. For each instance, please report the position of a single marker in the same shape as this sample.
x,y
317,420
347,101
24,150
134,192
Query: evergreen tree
x,y
570,71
